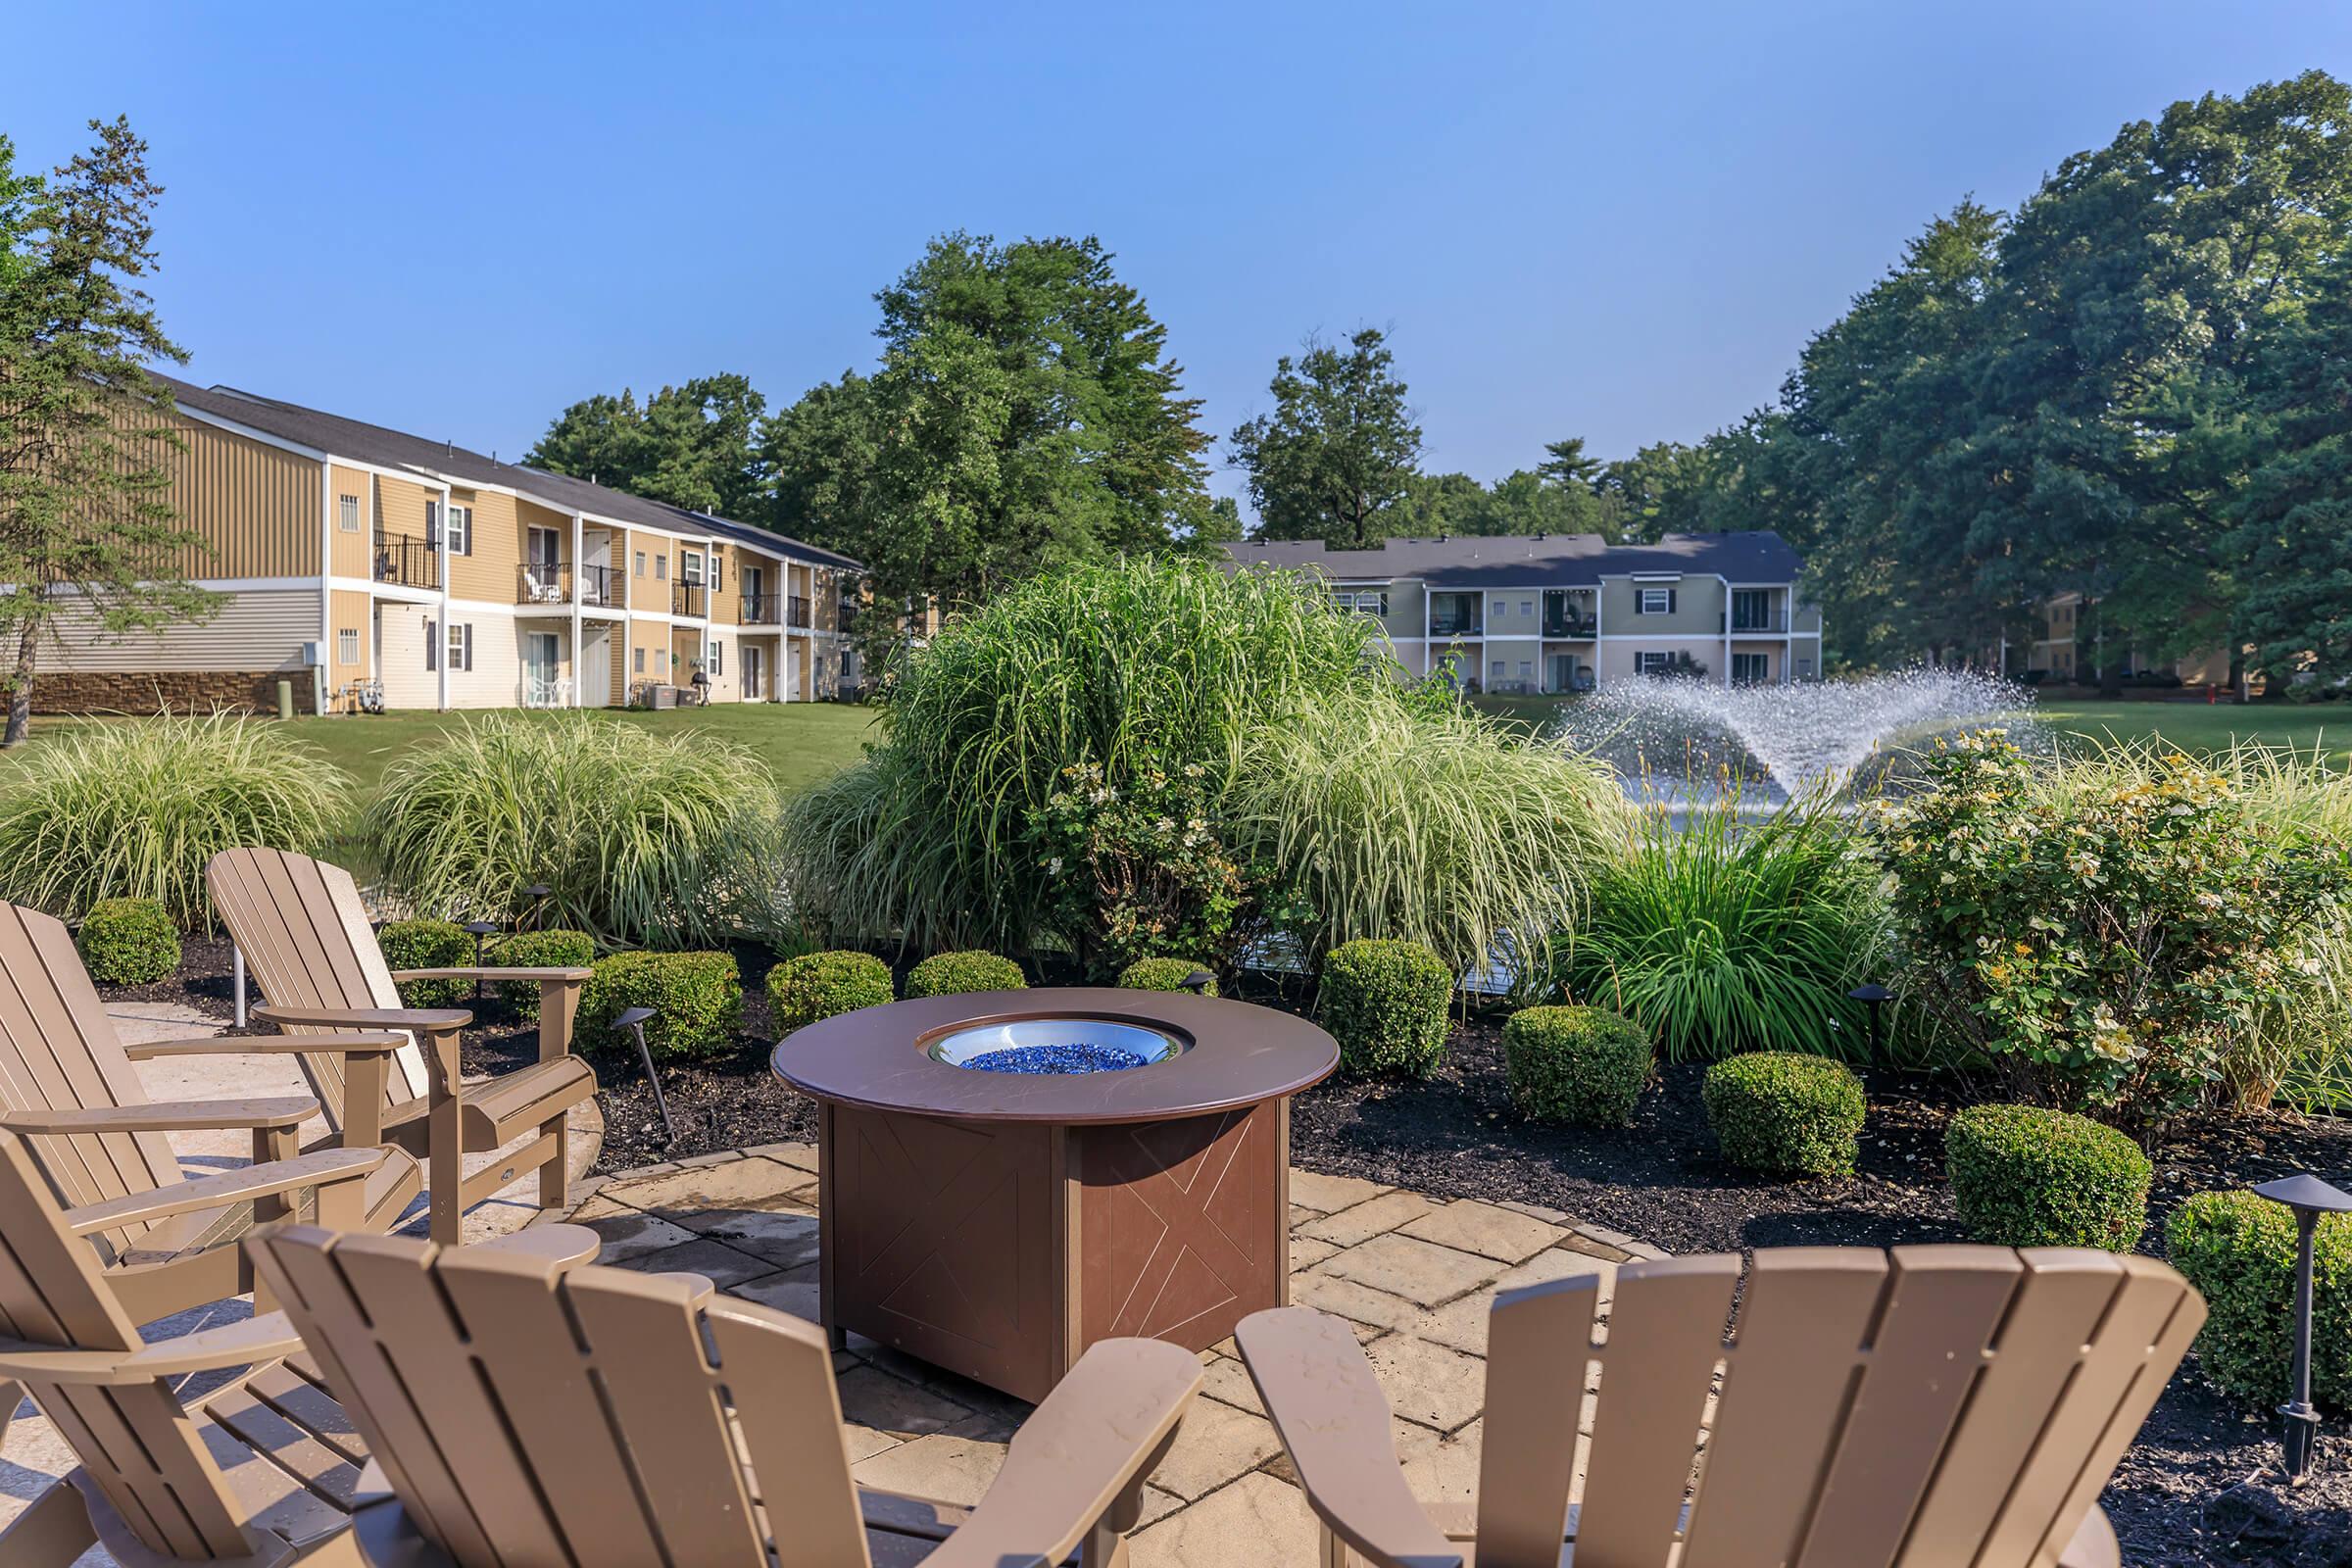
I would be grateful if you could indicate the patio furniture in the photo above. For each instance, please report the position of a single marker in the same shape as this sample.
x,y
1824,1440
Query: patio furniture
x,y
302,929
1960,1404
67,1085
256,1472
536,1408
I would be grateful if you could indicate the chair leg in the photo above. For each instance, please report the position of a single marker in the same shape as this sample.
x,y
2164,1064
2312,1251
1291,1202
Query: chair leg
x,y
50,1534
445,1187
554,1174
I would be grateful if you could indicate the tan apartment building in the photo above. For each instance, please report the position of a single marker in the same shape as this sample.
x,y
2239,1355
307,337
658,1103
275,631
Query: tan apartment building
x,y
1565,613
364,563
2066,649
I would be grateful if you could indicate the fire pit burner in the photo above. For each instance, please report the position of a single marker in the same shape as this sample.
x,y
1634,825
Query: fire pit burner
x,y
1054,1045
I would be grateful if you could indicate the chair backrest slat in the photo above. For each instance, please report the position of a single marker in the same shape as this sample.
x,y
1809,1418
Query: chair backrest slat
x,y
1527,1458
780,1376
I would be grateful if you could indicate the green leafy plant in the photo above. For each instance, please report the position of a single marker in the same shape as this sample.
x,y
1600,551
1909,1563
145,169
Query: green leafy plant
x,y
1135,869
128,941
948,974
1584,1065
1387,1003
649,840
1163,974
134,808
552,949
697,1000
428,945
2030,1176
1785,1113
817,986
2239,1253
1722,934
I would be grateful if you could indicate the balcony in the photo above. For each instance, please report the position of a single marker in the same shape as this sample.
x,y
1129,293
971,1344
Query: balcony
x,y
405,559
1768,623
689,599
1568,625
796,612
602,585
760,609
543,582
1456,626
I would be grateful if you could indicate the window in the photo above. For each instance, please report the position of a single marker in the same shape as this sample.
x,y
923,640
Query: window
x,y
347,514
640,653
662,568
1650,664
460,646
347,645
1371,602
640,563
718,659
1527,607
1499,668
1526,668
460,530
1752,669
845,663
1655,602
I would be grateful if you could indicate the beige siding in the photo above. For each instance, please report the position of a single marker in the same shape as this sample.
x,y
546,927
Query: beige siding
x,y
256,507
257,629
491,566
408,684
348,551
399,506
347,612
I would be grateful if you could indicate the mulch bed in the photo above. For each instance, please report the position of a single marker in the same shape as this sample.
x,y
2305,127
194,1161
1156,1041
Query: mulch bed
x,y
2197,1488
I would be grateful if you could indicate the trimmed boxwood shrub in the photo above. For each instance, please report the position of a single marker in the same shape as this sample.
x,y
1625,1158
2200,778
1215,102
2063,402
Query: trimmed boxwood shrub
x,y
948,974
557,949
1385,1004
128,941
1162,974
697,1000
822,985
428,945
1576,1064
2240,1251
1786,1113
2030,1176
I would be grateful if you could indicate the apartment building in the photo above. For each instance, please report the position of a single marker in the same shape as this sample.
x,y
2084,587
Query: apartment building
x,y
2067,649
1566,612
356,562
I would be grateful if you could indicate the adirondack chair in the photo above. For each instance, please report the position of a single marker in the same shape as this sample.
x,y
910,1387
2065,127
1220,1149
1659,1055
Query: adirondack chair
x,y
304,934
533,1410
256,1472
66,1084
1932,1404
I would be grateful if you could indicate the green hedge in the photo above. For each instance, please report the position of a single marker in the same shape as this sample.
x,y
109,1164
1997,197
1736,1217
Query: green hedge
x,y
817,986
1162,974
697,1000
1387,1003
1576,1064
2029,1176
948,974
557,949
1786,1113
2240,1251
128,941
428,945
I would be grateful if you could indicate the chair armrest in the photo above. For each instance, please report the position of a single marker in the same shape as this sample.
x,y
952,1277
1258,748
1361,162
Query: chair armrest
x,y
1328,1408
1079,1457
257,1339
266,1046
167,1115
2094,1545
556,973
428,1020
229,1187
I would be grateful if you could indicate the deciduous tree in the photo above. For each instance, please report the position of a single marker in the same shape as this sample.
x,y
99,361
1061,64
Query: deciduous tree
x,y
689,445
1336,458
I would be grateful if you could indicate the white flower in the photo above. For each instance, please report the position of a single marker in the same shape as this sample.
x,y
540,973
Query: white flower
x,y
1053,866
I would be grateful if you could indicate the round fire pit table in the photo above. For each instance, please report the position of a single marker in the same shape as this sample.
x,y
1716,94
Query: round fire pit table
x,y
988,1208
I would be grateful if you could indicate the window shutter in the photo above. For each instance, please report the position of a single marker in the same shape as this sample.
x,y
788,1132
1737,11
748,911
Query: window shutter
x,y
433,646
433,529
1670,600
465,642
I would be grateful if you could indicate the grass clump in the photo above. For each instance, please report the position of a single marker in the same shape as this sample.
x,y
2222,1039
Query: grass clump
x,y
948,974
428,945
1163,974
664,841
128,941
134,809
697,1000
817,986
1584,1065
552,948
1785,1115
2030,1176
1386,1003
2239,1253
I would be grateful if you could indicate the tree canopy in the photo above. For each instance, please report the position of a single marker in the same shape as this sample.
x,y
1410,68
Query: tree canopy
x,y
689,445
1337,457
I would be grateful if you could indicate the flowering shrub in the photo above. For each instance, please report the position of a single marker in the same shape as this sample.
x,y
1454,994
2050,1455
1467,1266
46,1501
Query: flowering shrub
x,y
1138,870
2108,930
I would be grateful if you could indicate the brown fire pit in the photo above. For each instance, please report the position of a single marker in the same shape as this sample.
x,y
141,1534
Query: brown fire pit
x,y
996,1223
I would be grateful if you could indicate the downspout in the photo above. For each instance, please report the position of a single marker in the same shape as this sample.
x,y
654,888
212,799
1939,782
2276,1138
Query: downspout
x,y
441,627
327,597
579,578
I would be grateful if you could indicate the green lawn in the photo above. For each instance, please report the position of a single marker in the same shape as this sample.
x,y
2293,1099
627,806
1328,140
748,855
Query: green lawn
x,y
2209,727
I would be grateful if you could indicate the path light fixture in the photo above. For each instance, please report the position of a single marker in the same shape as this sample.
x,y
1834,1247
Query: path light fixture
x,y
1198,982
633,1020
1874,996
2310,1198
537,893
483,931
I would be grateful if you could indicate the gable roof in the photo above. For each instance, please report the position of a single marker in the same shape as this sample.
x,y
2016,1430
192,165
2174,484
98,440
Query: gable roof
x,y
1578,559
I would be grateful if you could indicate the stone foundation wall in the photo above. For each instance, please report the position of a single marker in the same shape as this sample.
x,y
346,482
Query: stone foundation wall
x,y
183,691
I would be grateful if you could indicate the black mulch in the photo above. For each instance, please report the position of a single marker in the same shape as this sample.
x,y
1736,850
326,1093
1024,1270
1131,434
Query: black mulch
x,y
2197,1488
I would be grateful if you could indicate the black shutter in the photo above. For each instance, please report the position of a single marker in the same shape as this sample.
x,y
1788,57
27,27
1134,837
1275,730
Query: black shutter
x,y
433,646
466,641
433,529
1670,600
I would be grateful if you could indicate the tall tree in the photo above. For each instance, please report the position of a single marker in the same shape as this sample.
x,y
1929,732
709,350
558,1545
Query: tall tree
x,y
85,434
820,454
689,445
1336,458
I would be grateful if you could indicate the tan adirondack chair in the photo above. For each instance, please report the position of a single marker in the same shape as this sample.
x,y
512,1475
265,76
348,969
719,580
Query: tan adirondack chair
x,y
533,1410
67,1085
1928,1405
306,937
257,1472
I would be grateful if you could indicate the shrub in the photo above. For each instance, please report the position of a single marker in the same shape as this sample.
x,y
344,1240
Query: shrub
x,y
428,945
663,841
1385,1004
817,986
2029,1176
1163,974
697,1000
948,974
2240,1251
1136,869
1576,1064
133,810
1721,935
1785,1113
128,941
554,948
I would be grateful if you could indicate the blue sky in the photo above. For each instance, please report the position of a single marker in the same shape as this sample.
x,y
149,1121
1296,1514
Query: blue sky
x,y
1615,221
